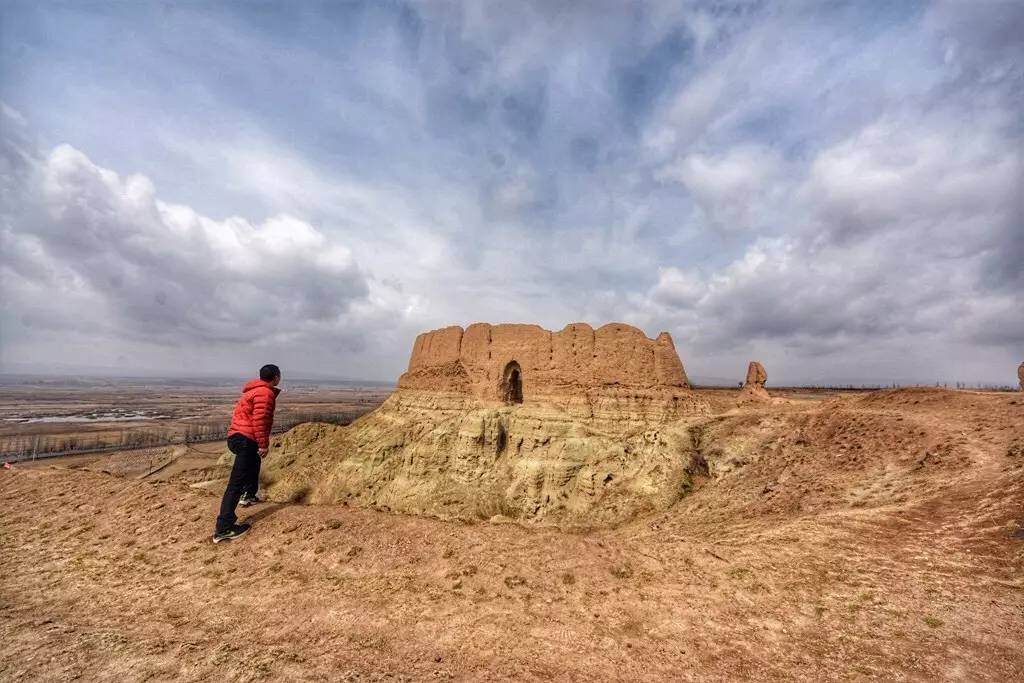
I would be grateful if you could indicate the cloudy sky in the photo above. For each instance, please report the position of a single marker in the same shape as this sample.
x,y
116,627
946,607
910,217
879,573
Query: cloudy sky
x,y
832,188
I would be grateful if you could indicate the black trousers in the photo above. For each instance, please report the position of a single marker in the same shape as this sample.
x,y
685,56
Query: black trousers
x,y
245,478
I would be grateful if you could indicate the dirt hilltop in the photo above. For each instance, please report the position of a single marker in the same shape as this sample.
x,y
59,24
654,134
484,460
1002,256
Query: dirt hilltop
x,y
853,536
580,427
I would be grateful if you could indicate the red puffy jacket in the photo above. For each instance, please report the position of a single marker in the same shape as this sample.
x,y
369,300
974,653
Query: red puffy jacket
x,y
254,412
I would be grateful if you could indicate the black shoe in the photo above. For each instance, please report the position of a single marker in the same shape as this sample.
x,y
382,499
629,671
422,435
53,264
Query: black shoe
x,y
231,534
246,500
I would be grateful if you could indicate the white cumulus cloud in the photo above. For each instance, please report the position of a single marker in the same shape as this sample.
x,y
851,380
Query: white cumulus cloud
x,y
89,250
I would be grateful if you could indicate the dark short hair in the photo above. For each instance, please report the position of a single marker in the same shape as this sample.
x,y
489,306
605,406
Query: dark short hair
x,y
269,372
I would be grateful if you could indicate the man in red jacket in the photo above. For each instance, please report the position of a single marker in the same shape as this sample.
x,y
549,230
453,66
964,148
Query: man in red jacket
x,y
248,439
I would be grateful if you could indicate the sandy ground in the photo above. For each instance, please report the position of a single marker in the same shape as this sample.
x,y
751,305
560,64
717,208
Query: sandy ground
x,y
829,556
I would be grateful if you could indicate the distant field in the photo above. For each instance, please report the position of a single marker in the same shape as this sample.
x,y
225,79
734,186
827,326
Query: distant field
x,y
41,416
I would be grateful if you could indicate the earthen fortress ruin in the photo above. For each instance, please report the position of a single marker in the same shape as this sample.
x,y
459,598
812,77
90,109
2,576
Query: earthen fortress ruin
x,y
524,363
579,427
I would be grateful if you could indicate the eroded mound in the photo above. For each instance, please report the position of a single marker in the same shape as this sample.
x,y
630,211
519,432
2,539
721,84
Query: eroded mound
x,y
453,457
610,460
577,427
886,449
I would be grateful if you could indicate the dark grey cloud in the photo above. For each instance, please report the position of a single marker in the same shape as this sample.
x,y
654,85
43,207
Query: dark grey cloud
x,y
817,184
641,83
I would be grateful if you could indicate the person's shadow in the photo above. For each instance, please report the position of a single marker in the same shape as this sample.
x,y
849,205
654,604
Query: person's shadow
x,y
264,512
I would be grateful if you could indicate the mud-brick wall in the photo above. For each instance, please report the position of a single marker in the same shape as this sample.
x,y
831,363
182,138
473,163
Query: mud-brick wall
x,y
577,357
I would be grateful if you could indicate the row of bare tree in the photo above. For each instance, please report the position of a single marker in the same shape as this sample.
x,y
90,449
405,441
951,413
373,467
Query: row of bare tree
x,y
29,446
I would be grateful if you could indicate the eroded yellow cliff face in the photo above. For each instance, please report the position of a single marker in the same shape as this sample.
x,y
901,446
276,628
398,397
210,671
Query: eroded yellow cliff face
x,y
445,455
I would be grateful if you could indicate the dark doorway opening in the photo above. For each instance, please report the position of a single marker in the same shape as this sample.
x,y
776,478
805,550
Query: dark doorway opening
x,y
512,383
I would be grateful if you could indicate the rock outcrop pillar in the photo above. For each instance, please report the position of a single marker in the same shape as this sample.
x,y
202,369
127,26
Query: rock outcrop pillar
x,y
753,386
1020,376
